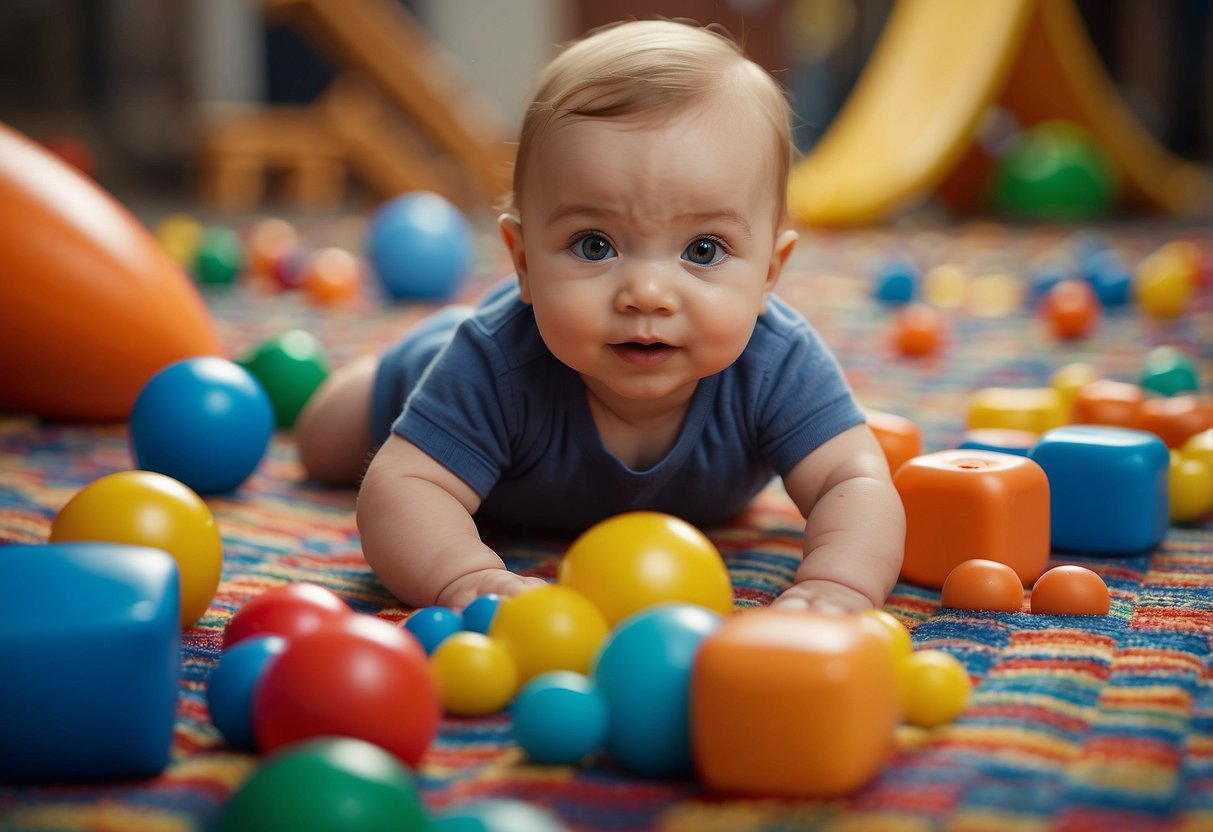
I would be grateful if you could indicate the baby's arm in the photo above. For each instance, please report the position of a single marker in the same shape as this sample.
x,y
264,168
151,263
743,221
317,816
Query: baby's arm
x,y
418,535
854,538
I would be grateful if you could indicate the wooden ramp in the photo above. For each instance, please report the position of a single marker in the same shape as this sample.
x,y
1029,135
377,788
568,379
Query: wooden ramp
x,y
397,119
909,128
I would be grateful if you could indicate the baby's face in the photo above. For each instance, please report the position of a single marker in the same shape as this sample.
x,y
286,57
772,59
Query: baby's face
x,y
648,250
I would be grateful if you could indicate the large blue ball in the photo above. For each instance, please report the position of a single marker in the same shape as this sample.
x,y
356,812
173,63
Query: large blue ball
x,y
230,688
420,247
644,673
203,421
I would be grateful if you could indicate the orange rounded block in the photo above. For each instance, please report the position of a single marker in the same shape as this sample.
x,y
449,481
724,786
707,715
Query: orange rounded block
x,y
793,704
981,584
1176,419
91,306
1070,590
899,438
1106,402
966,504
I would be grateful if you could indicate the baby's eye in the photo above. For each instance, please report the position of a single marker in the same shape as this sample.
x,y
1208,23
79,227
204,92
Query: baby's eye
x,y
593,247
705,251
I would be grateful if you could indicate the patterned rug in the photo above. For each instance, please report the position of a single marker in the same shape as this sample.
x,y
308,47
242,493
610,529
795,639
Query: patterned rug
x,y
1074,723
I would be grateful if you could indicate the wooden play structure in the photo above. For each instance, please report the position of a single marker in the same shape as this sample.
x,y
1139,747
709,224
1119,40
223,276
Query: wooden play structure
x,y
396,119
909,129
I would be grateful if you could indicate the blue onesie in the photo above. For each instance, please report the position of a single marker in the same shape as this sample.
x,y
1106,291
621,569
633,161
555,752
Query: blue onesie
x,y
482,394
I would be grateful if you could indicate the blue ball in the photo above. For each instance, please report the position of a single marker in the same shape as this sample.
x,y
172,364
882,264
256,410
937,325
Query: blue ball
x,y
433,625
1110,277
496,815
478,616
420,247
896,282
230,689
560,718
644,673
205,422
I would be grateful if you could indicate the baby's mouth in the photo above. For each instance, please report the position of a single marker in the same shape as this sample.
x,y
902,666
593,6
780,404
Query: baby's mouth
x,y
643,353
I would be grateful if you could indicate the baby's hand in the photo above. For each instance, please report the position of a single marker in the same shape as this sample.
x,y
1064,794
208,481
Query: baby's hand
x,y
823,596
466,589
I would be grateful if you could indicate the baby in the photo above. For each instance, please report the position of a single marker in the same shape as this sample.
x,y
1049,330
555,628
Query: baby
x,y
640,359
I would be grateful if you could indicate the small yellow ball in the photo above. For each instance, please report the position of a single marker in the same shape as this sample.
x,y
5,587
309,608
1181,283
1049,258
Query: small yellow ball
x,y
936,688
1191,484
549,628
476,675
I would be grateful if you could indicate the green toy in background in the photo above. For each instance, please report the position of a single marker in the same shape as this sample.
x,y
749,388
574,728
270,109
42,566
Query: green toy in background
x,y
1054,171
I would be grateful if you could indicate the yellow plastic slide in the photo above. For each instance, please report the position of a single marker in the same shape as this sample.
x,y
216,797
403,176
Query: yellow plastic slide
x,y
908,129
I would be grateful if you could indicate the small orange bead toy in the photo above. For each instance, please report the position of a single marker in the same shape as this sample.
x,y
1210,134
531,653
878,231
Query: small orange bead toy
x,y
1070,590
981,584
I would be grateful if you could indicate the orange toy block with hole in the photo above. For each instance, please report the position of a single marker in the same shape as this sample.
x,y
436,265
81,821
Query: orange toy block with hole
x,y
1106,402
91,306
1176,419
966,504
1034,409
899,438
793,704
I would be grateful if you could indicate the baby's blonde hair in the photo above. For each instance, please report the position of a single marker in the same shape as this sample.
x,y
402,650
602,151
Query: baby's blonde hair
x,y
644,68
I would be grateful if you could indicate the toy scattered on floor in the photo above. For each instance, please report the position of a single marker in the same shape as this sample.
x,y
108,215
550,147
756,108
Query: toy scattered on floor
x,y
271,242
143,508
1109,276
1174,419
1054,170
1169,371
793,704
178,234
331,276
90,646
1070,309
1068,379
496,815
918,330
220,257
289,368
899,437
644,674
420,247
433,625
1070,590
93,306
354,676
1001,440
1190,480
290,611
560,718
476,675
635,560
965,504
231,686
326,784
895,282
1032,409
980,584
1164,280
936,688
1107,402
478,616
550,627
204,421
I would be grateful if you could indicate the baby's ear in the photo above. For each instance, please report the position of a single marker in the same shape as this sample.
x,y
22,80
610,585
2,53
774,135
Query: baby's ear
x,y
511,233
784,243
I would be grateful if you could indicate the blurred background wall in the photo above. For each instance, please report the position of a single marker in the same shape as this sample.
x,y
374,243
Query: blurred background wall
x,y
134,79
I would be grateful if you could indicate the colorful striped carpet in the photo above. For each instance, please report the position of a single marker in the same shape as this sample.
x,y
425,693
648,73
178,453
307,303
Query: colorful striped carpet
x,y
1074,724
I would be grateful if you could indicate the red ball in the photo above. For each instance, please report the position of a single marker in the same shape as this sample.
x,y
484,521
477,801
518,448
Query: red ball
x,y
918,329
1070,308
289,611
357,676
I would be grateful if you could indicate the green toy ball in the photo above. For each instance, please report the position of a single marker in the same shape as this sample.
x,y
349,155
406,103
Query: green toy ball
x,y
290,368
1168,371
1054,171
219,258
325,784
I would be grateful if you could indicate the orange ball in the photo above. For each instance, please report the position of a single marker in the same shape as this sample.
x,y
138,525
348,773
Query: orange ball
x,y
332,276
1070,308
271,240
918,329
980,584
1070,590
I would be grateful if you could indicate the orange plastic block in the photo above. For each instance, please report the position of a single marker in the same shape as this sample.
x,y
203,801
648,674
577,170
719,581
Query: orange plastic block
x,y
1034,409
792,704
1107,402
899,438
1176,419
966,504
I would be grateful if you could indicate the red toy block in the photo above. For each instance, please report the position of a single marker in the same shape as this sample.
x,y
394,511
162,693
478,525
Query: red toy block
x,y
793,704
966,504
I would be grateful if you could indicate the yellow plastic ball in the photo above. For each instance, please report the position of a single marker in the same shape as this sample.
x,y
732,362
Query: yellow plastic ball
x,y
894,632
1191,485
143,508
178,235
1199,446
476,675
549,628
1163,283
936,688
1068,380
637,560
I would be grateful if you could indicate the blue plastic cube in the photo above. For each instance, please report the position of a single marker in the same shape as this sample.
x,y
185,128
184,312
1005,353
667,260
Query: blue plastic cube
x,y
1109,491
90,647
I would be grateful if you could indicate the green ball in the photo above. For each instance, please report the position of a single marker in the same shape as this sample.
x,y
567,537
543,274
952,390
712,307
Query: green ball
x,y
290,368
219,258
1054,171
324,784
1169,372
